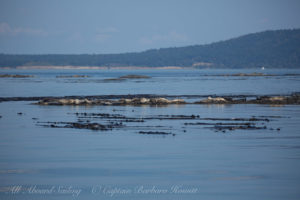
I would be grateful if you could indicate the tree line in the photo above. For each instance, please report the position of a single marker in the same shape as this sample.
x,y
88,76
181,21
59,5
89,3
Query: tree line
x,y
277,49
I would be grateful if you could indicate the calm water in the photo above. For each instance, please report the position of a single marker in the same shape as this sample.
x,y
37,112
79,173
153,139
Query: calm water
x,y
122,164
170,82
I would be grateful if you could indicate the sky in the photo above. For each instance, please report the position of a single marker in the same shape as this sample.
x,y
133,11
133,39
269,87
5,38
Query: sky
x,y
119,26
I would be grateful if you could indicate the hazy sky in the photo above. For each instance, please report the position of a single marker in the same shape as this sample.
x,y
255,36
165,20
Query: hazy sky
x,y
116,26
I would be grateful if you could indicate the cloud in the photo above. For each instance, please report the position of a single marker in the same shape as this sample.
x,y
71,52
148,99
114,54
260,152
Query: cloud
x,y
6,29
172,36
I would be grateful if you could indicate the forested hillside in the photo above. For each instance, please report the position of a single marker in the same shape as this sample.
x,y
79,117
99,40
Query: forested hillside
x,y
277,49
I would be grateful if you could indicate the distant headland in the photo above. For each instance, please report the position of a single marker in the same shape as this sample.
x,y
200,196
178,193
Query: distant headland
x,y
268,49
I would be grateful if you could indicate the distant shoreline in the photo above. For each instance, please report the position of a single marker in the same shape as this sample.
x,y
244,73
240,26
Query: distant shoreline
x,y
94,67
70,67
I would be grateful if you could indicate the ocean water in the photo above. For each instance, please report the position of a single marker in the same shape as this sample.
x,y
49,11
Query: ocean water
x,y
193,162
170,82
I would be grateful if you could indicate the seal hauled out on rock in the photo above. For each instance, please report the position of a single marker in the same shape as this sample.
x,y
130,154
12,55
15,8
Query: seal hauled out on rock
x,y
134,101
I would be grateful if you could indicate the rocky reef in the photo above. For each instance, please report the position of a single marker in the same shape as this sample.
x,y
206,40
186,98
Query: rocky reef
x,y
134,76
15,76
292,99
152,99
73,76
130,76
216,100
134,101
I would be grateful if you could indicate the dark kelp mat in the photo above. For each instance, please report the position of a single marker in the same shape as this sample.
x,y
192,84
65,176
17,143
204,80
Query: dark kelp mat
x,y
117,121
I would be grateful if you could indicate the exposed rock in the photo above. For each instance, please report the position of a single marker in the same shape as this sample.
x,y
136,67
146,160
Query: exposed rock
x,y
156,101
73,76
144,100
77,101
14,76
133,76
294,99
210,100
134,101
125,101
151,99
64,101
178,101
114,79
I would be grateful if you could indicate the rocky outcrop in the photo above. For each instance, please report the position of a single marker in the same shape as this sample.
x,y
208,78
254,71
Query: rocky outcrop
x,y
51,101
73,76
14,76
134,101
221,100
210,100
293,99
131,76
150,99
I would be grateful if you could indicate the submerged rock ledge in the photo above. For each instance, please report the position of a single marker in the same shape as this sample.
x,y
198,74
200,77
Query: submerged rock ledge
x,y
292,99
